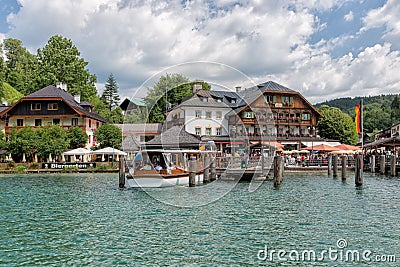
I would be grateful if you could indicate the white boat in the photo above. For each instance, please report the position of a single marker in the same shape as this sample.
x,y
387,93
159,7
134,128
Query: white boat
x,y
164,168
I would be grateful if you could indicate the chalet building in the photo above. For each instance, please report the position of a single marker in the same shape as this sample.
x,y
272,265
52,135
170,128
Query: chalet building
x,y
52,105
270,109
130,105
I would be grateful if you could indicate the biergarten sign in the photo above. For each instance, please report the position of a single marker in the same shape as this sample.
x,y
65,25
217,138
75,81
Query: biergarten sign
x,y
81,165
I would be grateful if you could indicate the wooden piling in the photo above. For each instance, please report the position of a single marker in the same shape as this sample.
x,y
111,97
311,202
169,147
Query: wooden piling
x,y
278,170
383,164
121,172
335,165
206,176
393,165
213,175
359,170
344,167
329,164
372,161
192,171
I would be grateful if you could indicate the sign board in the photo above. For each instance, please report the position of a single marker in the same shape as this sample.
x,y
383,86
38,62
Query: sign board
x,y
278,105
80,165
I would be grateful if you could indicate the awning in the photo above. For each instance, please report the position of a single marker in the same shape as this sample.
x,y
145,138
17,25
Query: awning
x,y
308,143
289,143
268,143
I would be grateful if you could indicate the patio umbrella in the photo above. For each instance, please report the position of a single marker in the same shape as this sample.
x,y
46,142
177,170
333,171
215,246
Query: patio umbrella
x,y
322,147
347,147
23,157
36,157
50,158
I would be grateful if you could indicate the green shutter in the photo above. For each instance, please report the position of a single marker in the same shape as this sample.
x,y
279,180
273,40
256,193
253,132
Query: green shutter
x,y
282,99
274,99
291,100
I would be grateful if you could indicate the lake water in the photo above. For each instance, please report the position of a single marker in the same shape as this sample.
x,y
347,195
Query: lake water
x,y
85,220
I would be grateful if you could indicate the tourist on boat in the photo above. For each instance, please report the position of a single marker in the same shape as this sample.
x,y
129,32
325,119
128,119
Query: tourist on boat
x,y
158,168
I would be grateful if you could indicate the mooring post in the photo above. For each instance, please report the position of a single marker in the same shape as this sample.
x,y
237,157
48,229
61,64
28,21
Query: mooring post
x,y
393,165
121,172
206,175
330,164
213,175
372,159
335,165
359,170
278,170
344,167
192,171
383,164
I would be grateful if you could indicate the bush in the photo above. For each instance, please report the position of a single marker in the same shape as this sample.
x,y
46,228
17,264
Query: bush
x,y
20,169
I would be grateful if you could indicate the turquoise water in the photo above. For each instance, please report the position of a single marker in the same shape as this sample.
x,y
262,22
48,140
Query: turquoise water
x,y
85,220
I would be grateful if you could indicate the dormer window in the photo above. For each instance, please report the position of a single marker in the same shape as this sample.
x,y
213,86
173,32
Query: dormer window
x,y
204,99
219,100
36,106
233,100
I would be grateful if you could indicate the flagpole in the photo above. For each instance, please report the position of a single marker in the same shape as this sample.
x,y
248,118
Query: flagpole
x,y
362,125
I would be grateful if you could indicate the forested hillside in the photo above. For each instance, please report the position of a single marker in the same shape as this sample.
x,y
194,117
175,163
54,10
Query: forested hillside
x,y
380,112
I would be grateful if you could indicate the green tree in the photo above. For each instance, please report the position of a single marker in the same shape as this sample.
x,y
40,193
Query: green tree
x,y
52,140
3,144
22,66
395,106
2,74
77,137
108,135
60,61
376,116
337,125
110,94
169,91
113,116
139,115
24,140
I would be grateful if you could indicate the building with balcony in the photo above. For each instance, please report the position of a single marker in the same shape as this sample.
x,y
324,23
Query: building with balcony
x,y
52,105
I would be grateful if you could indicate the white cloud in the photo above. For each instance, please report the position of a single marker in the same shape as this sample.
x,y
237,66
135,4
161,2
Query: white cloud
x,y
264,39
386,16
349,16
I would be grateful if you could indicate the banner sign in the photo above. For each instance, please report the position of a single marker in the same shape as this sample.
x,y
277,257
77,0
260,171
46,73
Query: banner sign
x,y
80,165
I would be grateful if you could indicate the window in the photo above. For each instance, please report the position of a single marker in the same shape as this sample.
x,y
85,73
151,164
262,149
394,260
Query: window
x,y
233,100
38,122
56,121
204,99
305,116
208,131
198,130
90,123
36,106
208,114
218,131
74,121
52,106
248,115
198,113
219,100
268,98
20,122
218,115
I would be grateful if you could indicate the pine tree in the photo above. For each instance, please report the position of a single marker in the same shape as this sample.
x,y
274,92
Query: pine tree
x,y
110,95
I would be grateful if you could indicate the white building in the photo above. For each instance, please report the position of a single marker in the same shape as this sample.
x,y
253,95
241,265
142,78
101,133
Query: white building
x,y
204,113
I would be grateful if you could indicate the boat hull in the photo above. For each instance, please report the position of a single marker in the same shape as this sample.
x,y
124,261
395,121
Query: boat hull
x,y
157,181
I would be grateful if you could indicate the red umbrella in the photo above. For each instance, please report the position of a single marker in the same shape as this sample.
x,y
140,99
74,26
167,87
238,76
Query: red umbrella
x,y
322,147
347,147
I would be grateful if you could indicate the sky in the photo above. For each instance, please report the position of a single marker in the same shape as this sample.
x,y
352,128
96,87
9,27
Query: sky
x,y
324,49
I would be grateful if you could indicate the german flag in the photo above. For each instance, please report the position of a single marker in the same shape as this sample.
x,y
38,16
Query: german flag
x,y
358,118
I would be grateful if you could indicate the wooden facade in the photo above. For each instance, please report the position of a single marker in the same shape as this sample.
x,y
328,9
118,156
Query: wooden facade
x,y
276,113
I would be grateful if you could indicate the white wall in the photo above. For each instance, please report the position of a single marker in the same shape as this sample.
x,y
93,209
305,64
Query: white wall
x,y
191,122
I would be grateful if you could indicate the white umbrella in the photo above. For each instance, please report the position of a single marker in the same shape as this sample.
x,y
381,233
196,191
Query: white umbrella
x,y
50,158
36,157
23,157
62,157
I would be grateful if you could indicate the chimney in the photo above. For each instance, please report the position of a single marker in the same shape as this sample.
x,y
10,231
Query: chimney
x,y
197,87
77,98
62,86
5,103
238,89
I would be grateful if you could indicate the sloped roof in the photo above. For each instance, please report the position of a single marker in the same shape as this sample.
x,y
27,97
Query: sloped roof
x,y
196,99
129,102
50,92
140,127
174,137
129,143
